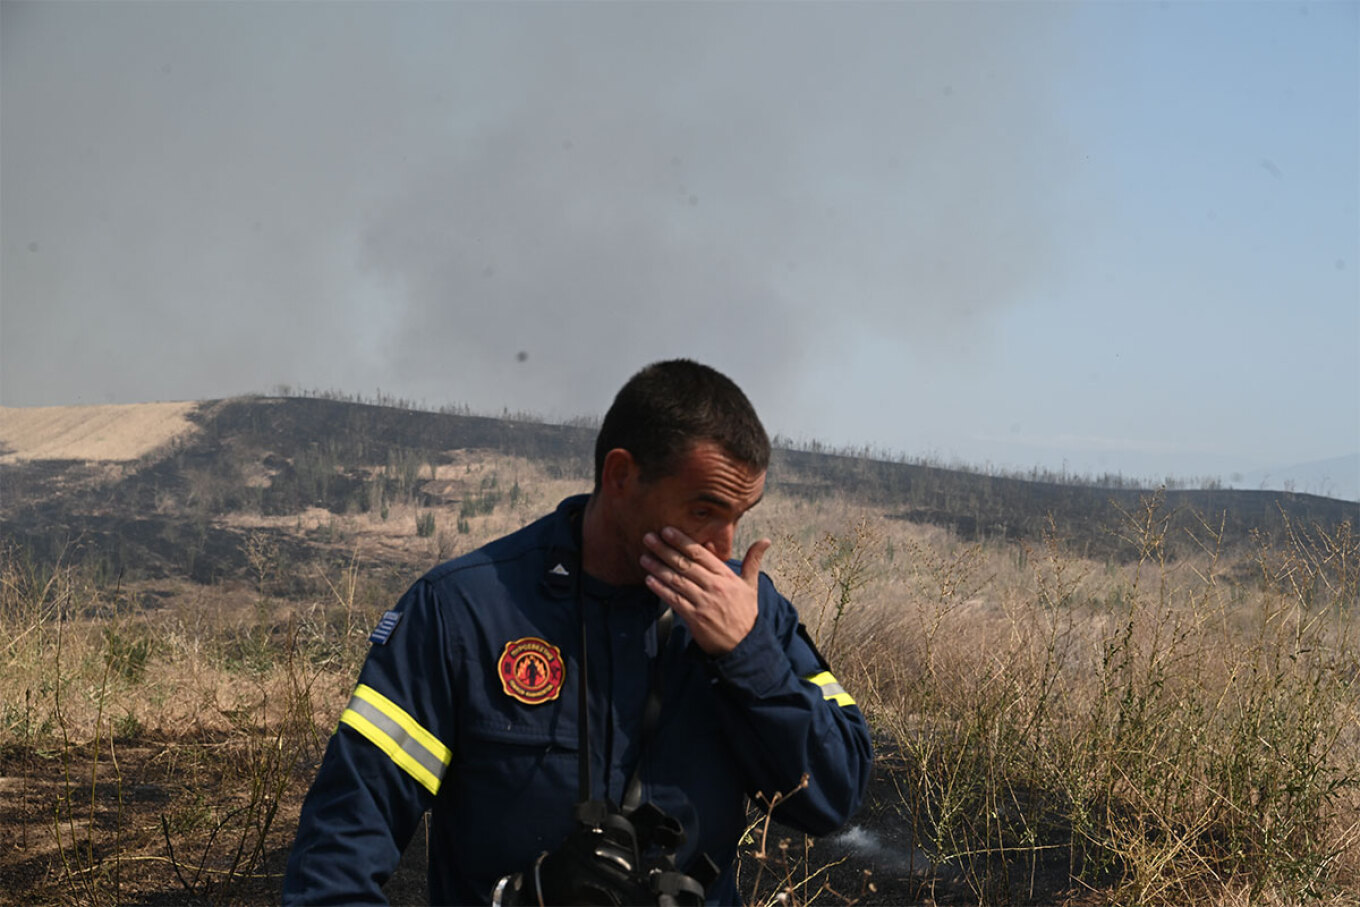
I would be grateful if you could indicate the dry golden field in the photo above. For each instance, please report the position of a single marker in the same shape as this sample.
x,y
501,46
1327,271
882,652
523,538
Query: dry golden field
x,y
112,432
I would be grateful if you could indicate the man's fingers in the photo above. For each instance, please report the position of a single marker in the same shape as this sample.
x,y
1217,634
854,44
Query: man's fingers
x,y
671,574
686,550
750,565
668,594
684,556
718,606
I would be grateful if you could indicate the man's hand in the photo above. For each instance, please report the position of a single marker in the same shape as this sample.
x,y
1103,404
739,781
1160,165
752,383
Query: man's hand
x,y
717,605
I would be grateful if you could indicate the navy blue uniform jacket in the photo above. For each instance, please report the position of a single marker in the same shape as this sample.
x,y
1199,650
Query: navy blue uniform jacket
x,y
468,708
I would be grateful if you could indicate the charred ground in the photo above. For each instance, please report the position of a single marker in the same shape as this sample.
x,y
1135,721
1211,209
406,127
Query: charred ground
x,y
162,516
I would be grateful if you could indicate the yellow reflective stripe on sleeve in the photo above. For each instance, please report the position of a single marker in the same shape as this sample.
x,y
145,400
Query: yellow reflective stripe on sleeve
x,y
418,752
831,688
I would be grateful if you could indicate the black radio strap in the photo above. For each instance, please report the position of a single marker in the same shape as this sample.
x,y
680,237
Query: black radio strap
x,y
583,718
651,713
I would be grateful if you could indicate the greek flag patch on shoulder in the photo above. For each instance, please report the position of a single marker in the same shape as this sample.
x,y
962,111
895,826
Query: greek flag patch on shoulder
x,y
385,627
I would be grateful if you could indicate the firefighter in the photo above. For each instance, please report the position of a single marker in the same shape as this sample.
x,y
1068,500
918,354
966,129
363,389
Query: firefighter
x,y
701,688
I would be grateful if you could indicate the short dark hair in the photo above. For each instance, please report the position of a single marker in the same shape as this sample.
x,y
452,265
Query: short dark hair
x,y
669,406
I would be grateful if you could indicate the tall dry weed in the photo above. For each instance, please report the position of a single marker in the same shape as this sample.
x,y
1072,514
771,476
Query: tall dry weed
x,y
1158,730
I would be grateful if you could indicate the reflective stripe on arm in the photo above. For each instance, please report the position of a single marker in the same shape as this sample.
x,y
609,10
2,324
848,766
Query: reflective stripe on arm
x,y
831,688
418,752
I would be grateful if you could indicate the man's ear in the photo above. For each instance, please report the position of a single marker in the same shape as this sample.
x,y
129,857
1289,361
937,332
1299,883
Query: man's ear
x,y
620,471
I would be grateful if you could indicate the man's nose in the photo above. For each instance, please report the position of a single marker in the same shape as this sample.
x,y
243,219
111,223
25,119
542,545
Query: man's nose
x,y
720,542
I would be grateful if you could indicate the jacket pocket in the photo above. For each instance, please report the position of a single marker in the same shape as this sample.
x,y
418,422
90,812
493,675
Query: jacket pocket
x,y
524,777
518,760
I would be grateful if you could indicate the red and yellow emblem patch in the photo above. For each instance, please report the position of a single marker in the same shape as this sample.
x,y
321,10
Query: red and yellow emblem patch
x,y
531,670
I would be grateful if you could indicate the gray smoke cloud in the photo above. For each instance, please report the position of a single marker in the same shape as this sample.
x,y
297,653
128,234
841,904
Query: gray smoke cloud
x,y
510,205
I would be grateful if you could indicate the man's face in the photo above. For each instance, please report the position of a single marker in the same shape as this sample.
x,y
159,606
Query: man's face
x,y
705,497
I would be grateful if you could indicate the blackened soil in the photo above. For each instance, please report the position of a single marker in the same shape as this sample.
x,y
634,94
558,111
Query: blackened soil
x,y
173,824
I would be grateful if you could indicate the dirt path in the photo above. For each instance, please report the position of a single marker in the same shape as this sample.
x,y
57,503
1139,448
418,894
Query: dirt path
x,y
91,433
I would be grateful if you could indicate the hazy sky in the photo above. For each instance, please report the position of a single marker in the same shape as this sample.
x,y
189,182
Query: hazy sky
x,y
1116,236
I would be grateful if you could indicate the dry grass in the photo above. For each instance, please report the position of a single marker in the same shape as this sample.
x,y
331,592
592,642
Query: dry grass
x,y
1155,732
1049,728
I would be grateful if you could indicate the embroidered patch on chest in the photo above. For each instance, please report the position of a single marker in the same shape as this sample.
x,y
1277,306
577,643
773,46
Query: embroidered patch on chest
x,y
532,670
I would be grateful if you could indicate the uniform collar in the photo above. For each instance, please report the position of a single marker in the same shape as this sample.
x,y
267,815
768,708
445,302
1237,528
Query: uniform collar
x,y
563,561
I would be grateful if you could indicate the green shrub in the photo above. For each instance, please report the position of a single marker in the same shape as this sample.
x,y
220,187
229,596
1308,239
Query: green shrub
x,y
127,652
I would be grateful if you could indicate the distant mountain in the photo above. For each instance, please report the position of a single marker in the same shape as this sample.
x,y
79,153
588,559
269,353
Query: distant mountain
x,y
1338,477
